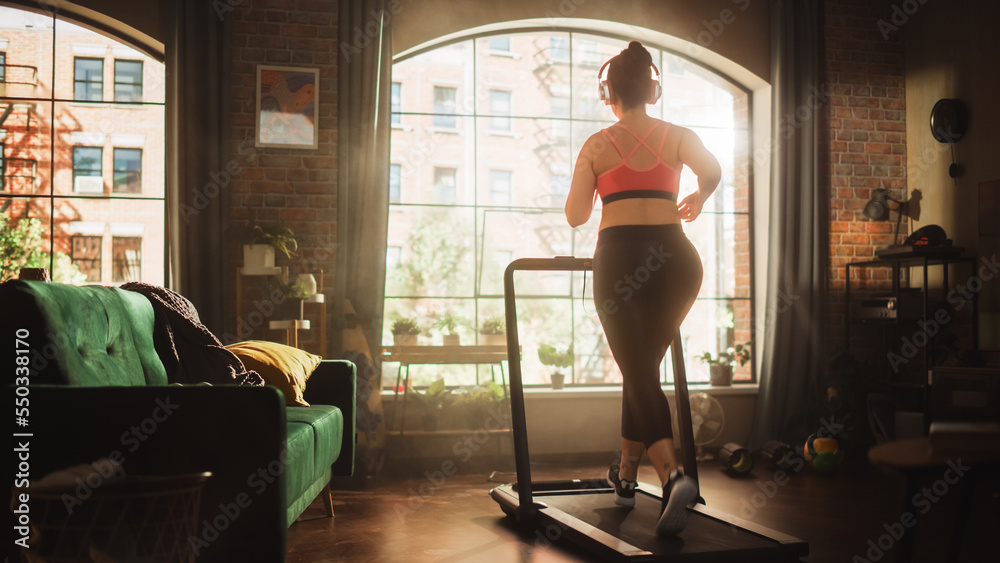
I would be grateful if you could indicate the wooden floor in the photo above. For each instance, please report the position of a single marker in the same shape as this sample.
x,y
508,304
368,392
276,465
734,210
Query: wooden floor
x,y
844,517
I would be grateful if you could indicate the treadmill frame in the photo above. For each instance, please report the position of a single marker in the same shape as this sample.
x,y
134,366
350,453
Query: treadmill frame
x,y
517,499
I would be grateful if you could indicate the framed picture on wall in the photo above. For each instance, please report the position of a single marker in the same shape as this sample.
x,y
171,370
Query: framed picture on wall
x,y
287,107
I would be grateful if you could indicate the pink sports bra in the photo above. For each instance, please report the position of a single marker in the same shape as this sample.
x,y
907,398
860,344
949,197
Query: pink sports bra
x,y
622,181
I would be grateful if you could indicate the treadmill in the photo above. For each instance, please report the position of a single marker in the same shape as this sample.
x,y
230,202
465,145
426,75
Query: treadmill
x,y
584,512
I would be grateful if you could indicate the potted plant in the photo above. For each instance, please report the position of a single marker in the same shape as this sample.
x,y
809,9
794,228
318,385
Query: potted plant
x,y
550,356
431,402
479,403
449,323
721,367
295,294
260,244
493,330
405,331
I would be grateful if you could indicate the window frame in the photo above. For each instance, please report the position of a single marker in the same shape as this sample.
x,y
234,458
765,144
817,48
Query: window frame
x,y
744,130
115,262
76,81
116,83
96,263
79,172
115,171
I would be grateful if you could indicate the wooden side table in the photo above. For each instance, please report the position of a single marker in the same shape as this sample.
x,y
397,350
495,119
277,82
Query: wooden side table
x,y
410,355
915,459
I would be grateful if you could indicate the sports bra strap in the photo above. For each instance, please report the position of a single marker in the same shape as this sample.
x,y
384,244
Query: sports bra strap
x,y
621,152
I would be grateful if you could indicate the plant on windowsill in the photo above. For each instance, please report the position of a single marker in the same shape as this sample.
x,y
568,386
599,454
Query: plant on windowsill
x,y
404,331
431,402
550,356
450,323
260,244
483,404
493,330
721,367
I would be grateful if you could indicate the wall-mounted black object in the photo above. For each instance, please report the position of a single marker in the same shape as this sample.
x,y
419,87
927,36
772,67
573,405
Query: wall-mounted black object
x,y
949,121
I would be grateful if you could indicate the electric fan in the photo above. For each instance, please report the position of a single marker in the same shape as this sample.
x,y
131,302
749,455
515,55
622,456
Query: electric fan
x,y
707,420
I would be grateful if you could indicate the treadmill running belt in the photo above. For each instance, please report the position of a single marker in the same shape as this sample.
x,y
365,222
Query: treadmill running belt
x,y
704,539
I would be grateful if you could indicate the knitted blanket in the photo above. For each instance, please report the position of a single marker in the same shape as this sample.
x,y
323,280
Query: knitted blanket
x,y
188,350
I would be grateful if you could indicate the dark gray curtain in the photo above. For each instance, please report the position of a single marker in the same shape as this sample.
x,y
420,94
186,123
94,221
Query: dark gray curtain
x,y
795,315
197,113
365,62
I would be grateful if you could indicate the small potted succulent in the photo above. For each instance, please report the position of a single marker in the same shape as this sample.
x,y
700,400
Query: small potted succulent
x,y
405,331
449,323
721,367
550,356
494,331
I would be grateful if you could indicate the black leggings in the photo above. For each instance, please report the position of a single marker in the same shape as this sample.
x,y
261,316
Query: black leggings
x,y
646,278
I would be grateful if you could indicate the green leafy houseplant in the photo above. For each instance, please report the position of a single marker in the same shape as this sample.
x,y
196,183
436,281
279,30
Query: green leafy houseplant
x,y
281,238
450,324
431,401
721,366
21,246
550,356
480,403
493,325
405,325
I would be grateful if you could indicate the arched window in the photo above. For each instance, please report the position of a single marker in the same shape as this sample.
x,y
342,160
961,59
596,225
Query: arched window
x,y
485,134
82,139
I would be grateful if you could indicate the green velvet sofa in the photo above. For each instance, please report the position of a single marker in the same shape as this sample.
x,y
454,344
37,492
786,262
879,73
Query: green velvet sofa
x,y
98,389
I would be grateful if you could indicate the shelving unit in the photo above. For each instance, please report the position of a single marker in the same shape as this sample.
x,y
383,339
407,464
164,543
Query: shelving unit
x,y
900,387
291,327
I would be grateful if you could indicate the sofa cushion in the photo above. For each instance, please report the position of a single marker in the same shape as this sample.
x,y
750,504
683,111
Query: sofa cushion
x,y
285,367
314,438
89,335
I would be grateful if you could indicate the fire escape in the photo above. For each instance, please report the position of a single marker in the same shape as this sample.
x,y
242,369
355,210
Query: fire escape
x,y
17,174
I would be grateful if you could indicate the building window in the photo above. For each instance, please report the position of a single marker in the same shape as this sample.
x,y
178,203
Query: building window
x,y
3,66
457,243
444,107
86,256
500,111
88,173
396,103
88,79
395,181
3,167
127,171
128,81
500,186
127,261
558,48
444,184
500,44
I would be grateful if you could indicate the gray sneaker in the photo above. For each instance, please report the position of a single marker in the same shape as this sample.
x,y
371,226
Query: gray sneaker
x,y
678,493
624,489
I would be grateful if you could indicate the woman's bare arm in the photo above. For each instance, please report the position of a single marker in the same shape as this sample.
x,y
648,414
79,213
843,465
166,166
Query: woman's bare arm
x,y
692,152
580,201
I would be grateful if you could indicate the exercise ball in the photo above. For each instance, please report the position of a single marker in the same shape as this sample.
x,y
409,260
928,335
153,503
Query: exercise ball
x,y
823,454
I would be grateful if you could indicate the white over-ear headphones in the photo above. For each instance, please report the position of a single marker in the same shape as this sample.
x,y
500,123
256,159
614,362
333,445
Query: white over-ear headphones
x,y
604,92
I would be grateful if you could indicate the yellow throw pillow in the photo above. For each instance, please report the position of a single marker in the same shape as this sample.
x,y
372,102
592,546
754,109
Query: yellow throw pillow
x,y
284,367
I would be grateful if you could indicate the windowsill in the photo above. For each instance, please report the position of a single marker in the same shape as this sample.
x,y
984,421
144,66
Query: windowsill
x,y
545,393
498,133
444,130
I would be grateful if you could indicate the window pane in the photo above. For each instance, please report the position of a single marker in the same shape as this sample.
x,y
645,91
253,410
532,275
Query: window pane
x,y
128,81
86,255
26,137
138,128
500,187
445,106
437,256
396,102
127,252
88,79
421,150
128,170
28,67
500,109
395,182
499,44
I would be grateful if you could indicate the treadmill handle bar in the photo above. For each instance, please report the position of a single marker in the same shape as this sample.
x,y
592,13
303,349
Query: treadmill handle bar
x,y
522,462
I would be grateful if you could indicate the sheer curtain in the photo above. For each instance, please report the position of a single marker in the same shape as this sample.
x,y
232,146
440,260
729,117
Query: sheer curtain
x,y
197,120
365,60
793,351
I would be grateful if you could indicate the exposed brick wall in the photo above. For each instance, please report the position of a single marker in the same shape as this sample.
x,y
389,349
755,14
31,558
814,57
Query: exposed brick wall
x,y
866,122
293,187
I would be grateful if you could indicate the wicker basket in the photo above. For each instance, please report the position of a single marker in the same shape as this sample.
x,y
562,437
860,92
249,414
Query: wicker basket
x,y
132,520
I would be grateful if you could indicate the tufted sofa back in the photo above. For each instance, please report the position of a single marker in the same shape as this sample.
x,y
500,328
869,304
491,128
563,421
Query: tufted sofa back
x,y
89,336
